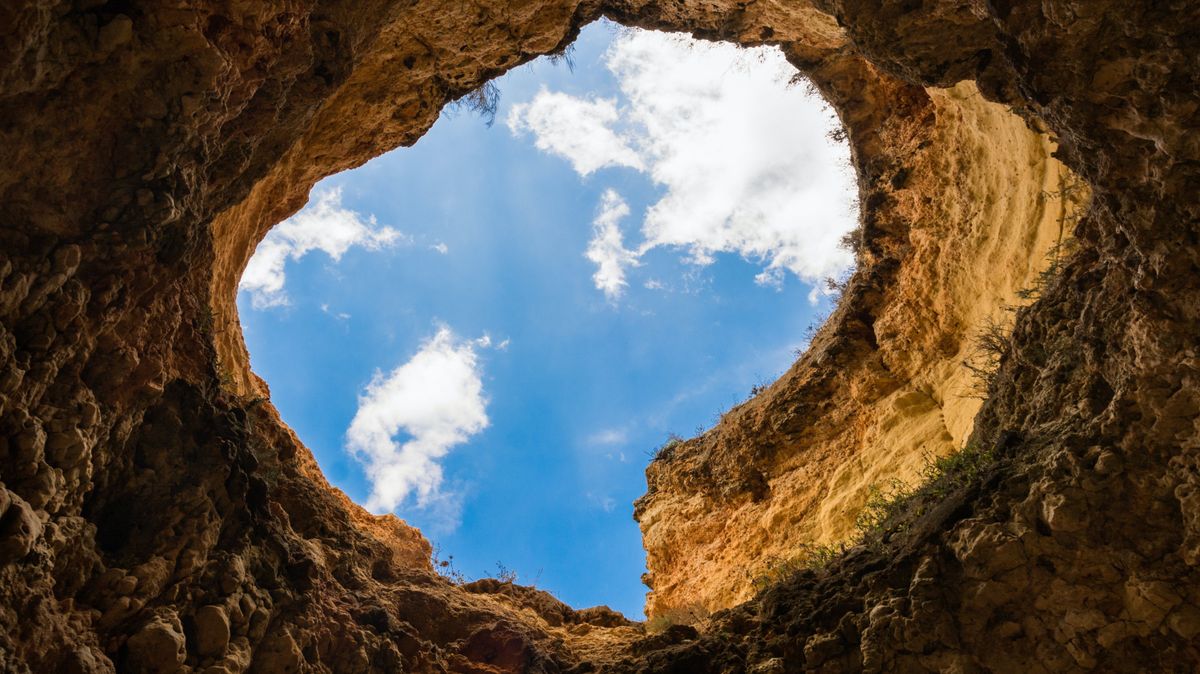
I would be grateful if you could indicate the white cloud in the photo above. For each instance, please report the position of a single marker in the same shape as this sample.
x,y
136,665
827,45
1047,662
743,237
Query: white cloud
x,y
340,315
576,129
607,247
441,247
323,225
408,420
609,436
745,158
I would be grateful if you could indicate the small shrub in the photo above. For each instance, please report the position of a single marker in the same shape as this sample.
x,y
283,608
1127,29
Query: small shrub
x,y
853,241
564,56
484,101
989,346
810,332
225,377
505,574
665,450
810,557
445,567
887,511
1056,261
207,321
689,614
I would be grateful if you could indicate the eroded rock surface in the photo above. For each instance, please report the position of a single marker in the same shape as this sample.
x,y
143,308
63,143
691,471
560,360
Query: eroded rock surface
x,y
156,515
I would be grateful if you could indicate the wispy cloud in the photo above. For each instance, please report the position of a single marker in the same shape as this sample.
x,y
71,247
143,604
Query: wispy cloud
x,y
410,418
576,129
340,315
745,158
607,247
603,501
323,225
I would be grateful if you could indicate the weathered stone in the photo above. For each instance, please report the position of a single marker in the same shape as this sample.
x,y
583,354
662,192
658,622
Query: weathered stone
x,y
1185,621
158,646
1064,512
20,529
115,33
212,630
277,654
84,660
149,149
1149,601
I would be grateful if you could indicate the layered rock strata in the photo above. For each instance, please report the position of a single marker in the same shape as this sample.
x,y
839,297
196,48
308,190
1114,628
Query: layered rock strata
x,y
156,515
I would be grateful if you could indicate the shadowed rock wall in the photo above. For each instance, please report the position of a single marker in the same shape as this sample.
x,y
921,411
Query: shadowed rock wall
x,y
156,515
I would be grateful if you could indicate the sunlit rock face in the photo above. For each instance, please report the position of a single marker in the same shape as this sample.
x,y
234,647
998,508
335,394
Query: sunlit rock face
x,y
969,211
156,515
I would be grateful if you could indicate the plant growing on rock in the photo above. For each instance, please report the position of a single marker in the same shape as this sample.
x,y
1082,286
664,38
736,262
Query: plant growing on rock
x,y
988,349
446,569
688,614
889,510
483,101
666,449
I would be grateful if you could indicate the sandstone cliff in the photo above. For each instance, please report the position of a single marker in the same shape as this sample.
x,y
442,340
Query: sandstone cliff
x,y
156,515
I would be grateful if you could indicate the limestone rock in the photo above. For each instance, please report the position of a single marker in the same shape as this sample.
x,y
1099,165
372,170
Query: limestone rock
x,y
1027,164
157,647
212,630
20,529
277,654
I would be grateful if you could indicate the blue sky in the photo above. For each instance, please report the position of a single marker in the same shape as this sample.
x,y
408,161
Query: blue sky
x,y
490,332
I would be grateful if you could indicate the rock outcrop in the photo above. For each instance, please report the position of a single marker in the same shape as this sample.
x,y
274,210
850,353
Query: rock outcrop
x,y
156,515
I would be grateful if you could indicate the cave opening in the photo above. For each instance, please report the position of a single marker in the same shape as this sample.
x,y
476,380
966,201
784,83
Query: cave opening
x,y
157,515
491,332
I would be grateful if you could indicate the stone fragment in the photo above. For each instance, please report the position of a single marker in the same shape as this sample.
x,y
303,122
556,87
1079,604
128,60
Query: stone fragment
x,y
20,529
1149,601
771,666
157,647
277,654
65,449
30,442
1064,513
212,630
115,33
236,659
1109,463
126,585
84,660
1185,621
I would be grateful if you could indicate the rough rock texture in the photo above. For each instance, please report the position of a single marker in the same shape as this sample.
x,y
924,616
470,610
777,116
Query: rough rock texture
x,y
884,386
156,515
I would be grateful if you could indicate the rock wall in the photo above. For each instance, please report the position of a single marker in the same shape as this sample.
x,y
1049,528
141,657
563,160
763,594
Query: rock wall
x,y
975,212
156,515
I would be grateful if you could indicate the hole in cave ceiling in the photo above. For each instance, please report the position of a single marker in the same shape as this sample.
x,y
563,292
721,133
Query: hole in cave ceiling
x,y
507,319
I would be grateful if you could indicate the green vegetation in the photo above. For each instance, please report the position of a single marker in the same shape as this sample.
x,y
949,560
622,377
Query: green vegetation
x,y
566,56
853,241
988,349
1056,259
690,614
665,450
890,510
484,101
445,567
994,337
505,574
